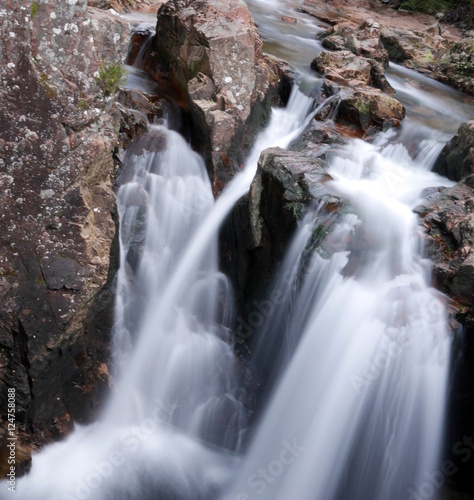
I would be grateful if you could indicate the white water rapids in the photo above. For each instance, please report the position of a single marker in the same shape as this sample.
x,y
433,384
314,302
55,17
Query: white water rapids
x,y
357,406
175,414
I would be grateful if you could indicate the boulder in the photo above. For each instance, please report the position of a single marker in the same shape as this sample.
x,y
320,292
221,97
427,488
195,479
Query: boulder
x,y
457,157
348,69
218,41
343,67
363,40
404,46
284,184
58,128
369,110
317,140
289,19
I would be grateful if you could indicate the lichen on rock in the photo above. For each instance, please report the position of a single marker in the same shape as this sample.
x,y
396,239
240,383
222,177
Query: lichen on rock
x,y
58,133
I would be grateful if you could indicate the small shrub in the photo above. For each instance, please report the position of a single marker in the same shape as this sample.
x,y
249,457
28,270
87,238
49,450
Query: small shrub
x,y
110,78
34,9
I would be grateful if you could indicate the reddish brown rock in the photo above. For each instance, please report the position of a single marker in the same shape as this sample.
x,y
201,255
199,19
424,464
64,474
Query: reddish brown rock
x,y
219,41
345,68
369,110
289,19
363,40
58,129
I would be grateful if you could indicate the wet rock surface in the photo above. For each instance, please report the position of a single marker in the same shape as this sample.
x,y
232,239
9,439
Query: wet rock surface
x,y
370,111
215,58
457,157
429,53
457,66
59,66
447,218
257,233
448,221
421,42
345,68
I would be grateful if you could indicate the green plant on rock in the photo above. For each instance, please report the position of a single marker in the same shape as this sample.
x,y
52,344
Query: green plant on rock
x,y
34,9
110,78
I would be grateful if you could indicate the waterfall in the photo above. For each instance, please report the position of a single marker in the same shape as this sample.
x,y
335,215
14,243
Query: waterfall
x,y
175,418
358,412
359,342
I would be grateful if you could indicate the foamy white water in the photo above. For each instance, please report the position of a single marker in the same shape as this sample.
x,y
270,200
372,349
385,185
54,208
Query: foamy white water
x,y
358,405
359,411
175,414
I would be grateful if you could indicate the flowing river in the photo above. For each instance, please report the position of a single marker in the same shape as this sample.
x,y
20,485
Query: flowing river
x,y
357,404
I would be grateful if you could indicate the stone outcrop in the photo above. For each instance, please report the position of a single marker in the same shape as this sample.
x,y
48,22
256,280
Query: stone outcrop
x,y
425,43
448,221
215,58
262,223
429,53
60,66
457,157
457,66
363,40
415,49
345,68
426,51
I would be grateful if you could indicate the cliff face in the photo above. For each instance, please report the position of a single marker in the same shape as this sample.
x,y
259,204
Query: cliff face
x,y
59,68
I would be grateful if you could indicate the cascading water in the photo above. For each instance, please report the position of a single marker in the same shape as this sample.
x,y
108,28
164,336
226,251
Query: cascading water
x,y
175,415
176,386
360,342
358,398
358,413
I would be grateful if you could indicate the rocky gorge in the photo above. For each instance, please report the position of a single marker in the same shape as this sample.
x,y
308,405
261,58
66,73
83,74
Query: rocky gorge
x,y
66,127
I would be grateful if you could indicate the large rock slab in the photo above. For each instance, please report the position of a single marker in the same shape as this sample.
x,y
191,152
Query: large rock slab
x,y
256,236
457,66
430,53
58,130
215,57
